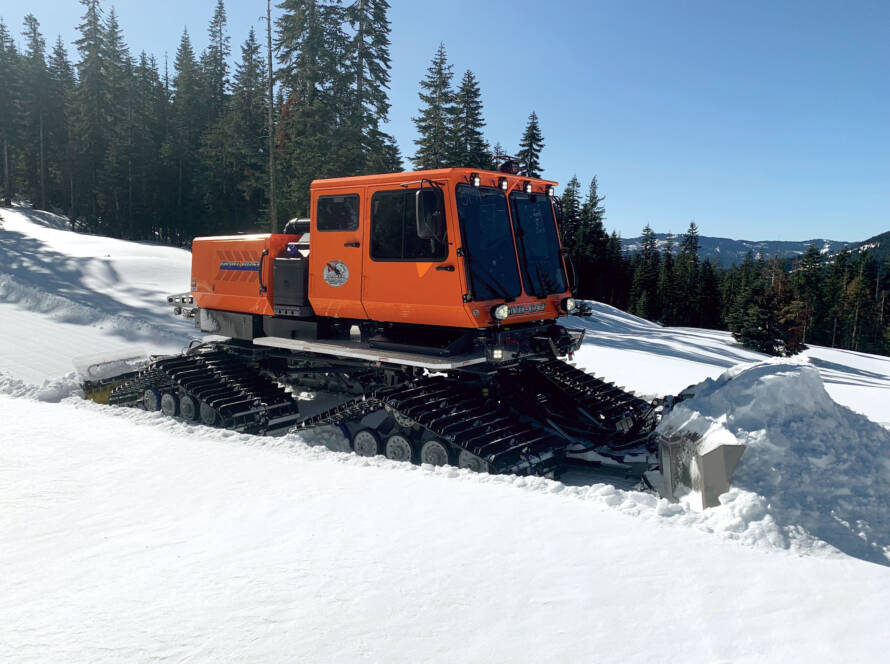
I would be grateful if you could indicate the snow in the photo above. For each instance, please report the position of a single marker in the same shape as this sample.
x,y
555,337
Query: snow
x,y
128,536
813,465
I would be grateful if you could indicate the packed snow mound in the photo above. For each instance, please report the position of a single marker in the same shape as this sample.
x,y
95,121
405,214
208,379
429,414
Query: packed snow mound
x,y
811,463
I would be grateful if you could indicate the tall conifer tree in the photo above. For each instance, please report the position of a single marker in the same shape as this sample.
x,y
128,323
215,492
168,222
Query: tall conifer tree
x,y
35,82
92,107
60,155
436,118
472,150
216,60
530,148
9,83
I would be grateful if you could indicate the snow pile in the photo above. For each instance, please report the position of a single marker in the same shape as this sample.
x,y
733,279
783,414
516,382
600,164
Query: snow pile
x,y
812,465
52,390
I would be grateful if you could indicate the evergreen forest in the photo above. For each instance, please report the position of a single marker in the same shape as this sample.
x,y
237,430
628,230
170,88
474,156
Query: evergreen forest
x,y
130,146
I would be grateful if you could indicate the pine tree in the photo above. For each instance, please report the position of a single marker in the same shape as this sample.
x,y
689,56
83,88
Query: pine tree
x,y
617,286
834,289
115,172
216,61
644,289
472,150
311,45
570,202
592,244
216,180
369,148
807,281
34,106
710,297
249,110
530,148
667,293
187,113
9,84
92,108
436,118
59,139
688,281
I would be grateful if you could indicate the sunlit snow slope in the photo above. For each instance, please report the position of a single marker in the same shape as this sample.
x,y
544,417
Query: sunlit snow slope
x,y
125,536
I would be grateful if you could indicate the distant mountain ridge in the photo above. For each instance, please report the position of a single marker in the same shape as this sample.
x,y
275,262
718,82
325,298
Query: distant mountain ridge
x,y
726,252
878,245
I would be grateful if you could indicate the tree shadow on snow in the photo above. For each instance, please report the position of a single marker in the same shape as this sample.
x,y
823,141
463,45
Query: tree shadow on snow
x,y
31,263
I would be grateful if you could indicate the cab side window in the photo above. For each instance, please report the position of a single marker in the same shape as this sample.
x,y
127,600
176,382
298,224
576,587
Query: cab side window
x,y
394,230
337,213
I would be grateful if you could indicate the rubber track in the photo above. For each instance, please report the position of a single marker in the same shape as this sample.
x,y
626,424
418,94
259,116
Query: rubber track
x,y
464,417
591,408
230,393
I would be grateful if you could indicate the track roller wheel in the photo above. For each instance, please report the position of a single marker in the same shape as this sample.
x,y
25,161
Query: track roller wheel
x,y
366,443
169,404
471,461
399,448
435,453
208,415
151,400
188,408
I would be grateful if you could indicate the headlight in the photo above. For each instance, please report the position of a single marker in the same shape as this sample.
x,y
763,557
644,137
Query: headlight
x,y
569,304
500,312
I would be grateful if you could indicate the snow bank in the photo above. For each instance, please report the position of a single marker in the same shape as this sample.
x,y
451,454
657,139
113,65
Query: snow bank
x,y
811,465
52,390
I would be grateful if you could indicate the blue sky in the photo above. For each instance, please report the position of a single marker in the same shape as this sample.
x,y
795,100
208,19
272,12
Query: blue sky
x,y
757,120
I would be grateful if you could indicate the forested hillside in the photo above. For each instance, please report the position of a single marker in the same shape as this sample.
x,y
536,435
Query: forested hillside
x,y
137,148
134,147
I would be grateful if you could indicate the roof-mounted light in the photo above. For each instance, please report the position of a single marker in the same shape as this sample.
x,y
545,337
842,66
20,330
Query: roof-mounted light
x,y
502,183
551,190
527,187
475,180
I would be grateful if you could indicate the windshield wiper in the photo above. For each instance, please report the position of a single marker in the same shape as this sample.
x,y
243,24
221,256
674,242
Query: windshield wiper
x,y
490,281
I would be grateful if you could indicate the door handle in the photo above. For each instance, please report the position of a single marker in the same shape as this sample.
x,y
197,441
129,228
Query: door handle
x,y
445,268
350,244
262,258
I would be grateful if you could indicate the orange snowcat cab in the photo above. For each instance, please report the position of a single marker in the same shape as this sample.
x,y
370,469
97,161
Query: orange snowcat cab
x,y
449,249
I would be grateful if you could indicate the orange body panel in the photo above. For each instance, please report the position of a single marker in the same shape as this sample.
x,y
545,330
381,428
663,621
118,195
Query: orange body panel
x,y
226,271
345,281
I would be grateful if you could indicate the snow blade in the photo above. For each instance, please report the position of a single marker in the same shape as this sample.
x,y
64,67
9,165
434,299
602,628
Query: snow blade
x,y
99,374
684,461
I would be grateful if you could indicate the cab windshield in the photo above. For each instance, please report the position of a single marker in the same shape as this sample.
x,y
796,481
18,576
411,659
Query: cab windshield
x,y
488,243
539,256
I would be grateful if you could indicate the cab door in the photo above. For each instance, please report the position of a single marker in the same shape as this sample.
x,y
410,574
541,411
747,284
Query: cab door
x,y
335,255
408,278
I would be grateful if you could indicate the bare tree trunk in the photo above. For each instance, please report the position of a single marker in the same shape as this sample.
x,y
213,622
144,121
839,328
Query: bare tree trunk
x,y
71,190
273,210
7,187
42,167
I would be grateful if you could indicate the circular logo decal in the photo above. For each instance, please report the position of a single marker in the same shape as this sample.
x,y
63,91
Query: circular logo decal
x,y
336,273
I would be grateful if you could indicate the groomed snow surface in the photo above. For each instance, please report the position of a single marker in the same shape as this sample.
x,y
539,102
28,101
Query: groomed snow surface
x,y
128,537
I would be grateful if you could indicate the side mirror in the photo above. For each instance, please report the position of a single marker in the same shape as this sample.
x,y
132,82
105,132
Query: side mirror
x,y
430,213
